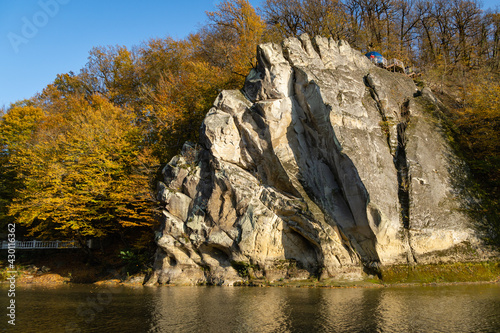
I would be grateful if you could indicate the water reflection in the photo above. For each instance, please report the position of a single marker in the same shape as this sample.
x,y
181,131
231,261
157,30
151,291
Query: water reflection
x,y
215,309
349,310
417,309
441,309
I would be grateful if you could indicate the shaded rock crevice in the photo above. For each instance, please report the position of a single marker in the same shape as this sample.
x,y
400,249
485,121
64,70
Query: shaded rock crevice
x,y
341,196
385,123
404,178
398,151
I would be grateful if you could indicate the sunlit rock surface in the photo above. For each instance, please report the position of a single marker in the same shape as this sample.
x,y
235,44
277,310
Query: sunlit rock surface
x,y
323,165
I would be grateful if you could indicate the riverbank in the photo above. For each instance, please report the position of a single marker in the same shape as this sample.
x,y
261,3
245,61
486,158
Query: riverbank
x,y
71,266
407,275
32,275
399,275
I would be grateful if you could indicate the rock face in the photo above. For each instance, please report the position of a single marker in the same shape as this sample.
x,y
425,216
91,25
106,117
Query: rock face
x,y
323,165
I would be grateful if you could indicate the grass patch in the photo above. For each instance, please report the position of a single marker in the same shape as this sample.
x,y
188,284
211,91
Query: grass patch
x,y
434,273
244,269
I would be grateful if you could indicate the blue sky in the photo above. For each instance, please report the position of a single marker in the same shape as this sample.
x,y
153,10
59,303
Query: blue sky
x,y
42,38
61,40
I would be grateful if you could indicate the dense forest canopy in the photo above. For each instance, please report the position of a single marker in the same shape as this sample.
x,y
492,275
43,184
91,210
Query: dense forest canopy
x,y
80,159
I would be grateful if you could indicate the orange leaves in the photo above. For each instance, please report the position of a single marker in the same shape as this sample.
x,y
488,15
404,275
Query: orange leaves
x,y
18,125
181,79
238,30
179,86
238,16
16,129
478,123
480,119
84,177
113,73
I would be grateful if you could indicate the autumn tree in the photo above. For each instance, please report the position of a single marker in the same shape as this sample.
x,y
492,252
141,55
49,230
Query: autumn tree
x,y
477,129
404,39
112,72
324,18
315,17
490,41
82,171
466,22
17,126
178,88
232,36
284,18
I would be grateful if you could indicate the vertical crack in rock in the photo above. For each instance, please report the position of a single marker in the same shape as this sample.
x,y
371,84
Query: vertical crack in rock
x,y
404,181
399,158
369,82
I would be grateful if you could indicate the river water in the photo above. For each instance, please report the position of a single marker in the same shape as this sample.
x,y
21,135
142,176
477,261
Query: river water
x,y
83,308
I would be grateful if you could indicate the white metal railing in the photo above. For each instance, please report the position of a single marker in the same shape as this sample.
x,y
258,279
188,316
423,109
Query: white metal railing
x,y
388,64
397,63
36,244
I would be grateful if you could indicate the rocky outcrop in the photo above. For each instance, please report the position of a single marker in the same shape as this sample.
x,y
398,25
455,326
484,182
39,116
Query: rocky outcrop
x,y
323,165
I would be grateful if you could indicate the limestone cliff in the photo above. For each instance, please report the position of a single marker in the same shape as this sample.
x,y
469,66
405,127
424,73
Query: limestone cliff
x,y
323,165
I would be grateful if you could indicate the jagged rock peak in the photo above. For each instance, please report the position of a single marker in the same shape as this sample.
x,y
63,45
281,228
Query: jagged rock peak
x,y
323,165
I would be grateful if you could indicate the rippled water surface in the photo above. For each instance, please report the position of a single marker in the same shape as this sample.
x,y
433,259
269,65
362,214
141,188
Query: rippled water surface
x,y
471,308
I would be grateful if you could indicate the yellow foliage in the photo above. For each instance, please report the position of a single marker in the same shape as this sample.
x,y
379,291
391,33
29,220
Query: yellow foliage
x,y
81,173
239,31
480,119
